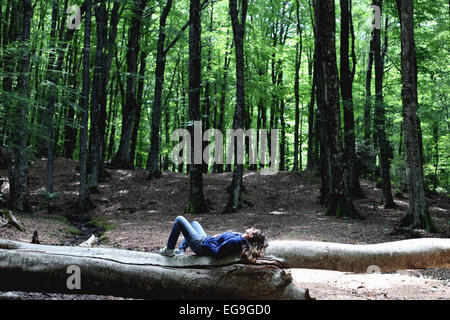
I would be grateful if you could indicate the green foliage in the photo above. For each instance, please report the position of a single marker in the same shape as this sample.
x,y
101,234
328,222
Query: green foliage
x,y
101,223
265,57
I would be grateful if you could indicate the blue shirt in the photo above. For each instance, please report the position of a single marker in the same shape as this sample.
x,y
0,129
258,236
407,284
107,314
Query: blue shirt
x,y
228,243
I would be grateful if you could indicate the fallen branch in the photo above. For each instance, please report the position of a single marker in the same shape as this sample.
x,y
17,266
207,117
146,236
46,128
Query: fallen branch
x,y
8,219
125,273
89,242
391,256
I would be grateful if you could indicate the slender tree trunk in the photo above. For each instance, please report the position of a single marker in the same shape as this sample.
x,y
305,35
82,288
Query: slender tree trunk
x,y
196,201
167,112
298,61
380,120
70,131
206,114
418,215
238,25
435,128
112,134
122,157
84,202
153,155
223,96
347,101
51,100
96,141
311,159
313,132
140,94
6,63
110,48
369,153
19,183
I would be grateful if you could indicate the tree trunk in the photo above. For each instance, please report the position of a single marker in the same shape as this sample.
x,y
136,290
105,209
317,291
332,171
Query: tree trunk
x,y
380,119
110,49
125,273
389,256
298,62
96,147
140,94
223,96
70,129
122,157
418,215
44,268
196,201
334,192
52,96
18,199
311,159
347,101
206,112
84,202
369,158
238,25
154,171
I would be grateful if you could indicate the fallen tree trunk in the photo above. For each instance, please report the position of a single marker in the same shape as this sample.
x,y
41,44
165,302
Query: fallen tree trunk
x,y
125,273
105,271
385,257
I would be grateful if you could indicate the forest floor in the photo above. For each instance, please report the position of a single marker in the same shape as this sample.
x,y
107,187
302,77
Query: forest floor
x,y
137,214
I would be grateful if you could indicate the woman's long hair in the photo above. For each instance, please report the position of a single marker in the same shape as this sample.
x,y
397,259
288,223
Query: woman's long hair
x,y
254,247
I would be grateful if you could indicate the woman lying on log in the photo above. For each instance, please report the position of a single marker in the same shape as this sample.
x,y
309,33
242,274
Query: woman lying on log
x,y
249,244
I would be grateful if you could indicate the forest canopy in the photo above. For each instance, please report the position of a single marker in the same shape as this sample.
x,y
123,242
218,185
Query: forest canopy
x,y
106,82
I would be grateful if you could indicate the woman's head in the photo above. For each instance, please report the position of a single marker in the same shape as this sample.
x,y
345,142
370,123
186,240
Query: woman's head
x,y
256,243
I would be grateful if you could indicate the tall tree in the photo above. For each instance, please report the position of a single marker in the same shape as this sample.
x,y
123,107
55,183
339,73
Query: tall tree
x,y
298,62
223,96
347,98
84,202
335,192
18,198
196,201
238,25
96,143
418,215
154,171
313,141
369,157
380,119
122,157
110,49
51,99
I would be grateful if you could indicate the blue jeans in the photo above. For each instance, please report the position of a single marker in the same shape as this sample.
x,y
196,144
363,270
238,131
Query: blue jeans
x,y
193,236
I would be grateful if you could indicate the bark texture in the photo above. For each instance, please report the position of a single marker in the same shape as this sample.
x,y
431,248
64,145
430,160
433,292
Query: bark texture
x,y
84,202
127,273
418,215
196,202
238,24
380,119
335,193
154,171
122,158
390,256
